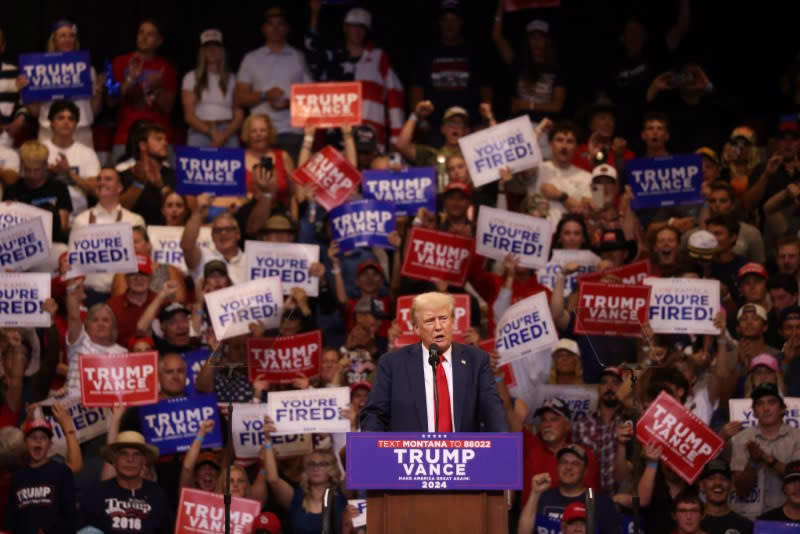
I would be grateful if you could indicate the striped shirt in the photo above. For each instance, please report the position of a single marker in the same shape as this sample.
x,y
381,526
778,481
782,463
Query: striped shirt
x,y
10,103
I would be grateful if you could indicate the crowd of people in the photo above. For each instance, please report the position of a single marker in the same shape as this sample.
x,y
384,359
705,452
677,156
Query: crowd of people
x,y
744,234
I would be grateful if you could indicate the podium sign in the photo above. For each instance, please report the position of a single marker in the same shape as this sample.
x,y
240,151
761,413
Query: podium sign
x,y
428,461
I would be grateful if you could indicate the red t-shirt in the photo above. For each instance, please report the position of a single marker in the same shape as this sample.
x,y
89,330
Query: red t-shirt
x,y
581,158
280,175
127,315
537,458
139,103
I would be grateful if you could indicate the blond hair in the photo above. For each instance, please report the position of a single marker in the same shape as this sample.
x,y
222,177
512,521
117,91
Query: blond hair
x,y
334,475
220,488
51,41
431,300
33,154
272,133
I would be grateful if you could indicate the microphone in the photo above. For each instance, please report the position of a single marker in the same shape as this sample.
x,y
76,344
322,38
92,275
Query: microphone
x,y
434,352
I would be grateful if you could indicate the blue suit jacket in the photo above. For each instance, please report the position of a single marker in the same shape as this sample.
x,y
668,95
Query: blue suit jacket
x,y
397,400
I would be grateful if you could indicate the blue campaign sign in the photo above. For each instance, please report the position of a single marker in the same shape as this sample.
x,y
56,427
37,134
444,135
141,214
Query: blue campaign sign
x,y
363,223
210,170
666,181
171,425
194,362
409,189
546,524
56,75
417,461
776,527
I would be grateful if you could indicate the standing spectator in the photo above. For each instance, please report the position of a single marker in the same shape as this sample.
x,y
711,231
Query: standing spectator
x,y
360,60
790,511
266,75
69,160
64,38
449,73
129,306
455,125
598,430
40,189
716,483
655,135
148,85
740,156
726,263
259,136
128,502
12,112
787,256
42,493
207,96
603,146
149,179
775,174
762,452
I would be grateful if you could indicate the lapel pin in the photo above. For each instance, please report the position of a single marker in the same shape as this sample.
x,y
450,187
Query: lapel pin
x,y
463,362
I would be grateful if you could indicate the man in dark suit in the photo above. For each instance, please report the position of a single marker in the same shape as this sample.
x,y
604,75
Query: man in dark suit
x,y
402,400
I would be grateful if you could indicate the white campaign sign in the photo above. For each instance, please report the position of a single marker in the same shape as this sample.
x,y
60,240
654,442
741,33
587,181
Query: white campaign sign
x,y
101,248
12,213
581,399
502,232
288,261
232,309
309,410
21,298
361,505
525,329
23,246
586,260
742,410
88,422
165,242
511,144
683,305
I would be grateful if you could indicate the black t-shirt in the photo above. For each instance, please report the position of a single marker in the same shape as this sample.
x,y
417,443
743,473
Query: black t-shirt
x,y
148,205
728,274
776,514
552,504
112,509
53,196
41,498
540,85
732,523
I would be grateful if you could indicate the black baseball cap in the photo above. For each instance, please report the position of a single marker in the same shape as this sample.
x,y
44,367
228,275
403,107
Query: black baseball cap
x,y
792,471
717,465
766,389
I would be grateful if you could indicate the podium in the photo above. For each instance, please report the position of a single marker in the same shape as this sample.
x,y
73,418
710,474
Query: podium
x,y
436,483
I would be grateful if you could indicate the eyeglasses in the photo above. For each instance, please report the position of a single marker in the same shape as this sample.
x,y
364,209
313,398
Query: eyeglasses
x,y
220,229
317,465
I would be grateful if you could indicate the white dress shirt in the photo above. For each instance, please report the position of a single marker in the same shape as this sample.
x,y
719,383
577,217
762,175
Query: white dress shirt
x,y
447,365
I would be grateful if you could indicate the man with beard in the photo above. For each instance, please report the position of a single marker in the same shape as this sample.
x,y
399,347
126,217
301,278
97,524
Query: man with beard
x,y
149,178
539,449
41,497
598,430
716,484
550,504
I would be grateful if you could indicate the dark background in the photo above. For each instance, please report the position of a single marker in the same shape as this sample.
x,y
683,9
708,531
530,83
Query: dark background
x,y
745,47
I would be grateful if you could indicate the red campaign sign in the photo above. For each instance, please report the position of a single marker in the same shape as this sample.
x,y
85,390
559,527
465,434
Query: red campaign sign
x,y
403,320
688,443
519,5
434,255
281,359
632,273
326,105
611,309
203,512
333,178
508,371
128,379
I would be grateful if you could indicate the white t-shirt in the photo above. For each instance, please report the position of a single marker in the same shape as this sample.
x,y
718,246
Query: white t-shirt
x,y
82,160
9,159
237,266
573,181
84,345
84,106
212,105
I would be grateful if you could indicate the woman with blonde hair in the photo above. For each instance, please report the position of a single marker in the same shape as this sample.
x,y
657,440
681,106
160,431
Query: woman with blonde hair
x,y
740,155
304,502
207,96
258,136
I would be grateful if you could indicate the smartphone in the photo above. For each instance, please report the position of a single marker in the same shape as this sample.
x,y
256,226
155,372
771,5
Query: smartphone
x,y
266,162
598,196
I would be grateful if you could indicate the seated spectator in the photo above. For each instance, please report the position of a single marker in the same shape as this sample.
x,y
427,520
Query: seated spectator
x,y
360,60
39,188
790,511
64,38
148,85
149,179
763,451
265,77
716,483
138,502
207,96
42,493
71,161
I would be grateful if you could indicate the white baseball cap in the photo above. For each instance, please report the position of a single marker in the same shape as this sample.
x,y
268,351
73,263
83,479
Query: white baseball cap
x,y
568,345
537,25
359,16
604,170
212,35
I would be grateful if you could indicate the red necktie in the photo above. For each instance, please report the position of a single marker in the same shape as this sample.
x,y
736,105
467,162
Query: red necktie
x,y
445,419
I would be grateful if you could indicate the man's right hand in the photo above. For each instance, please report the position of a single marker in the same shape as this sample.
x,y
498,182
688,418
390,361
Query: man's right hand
x,y
773,164
203,202
424,109
540,483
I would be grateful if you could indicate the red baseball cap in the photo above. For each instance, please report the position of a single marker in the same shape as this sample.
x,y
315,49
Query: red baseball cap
x,y
574,510
362,384
463,187
37,424
144,264
267,522
369,264
752,268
